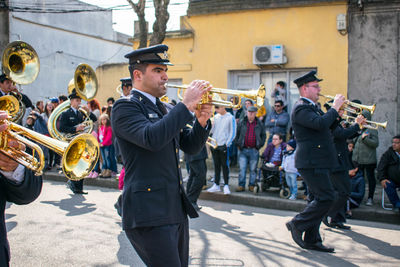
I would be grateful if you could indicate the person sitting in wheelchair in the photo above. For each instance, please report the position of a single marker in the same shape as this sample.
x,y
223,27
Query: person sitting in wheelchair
x,y
272,158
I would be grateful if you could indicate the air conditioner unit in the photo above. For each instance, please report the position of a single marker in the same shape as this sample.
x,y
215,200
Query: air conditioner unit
x,y
269,55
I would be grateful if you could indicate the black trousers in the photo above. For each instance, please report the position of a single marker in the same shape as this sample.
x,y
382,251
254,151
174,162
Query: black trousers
x,y
320,186
341,184
220,161
369,173
4,260
197,177
166,245
77,185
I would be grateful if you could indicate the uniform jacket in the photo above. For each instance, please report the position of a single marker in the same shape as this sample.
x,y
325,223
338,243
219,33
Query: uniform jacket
x,y
149,142
69,120
312,129
20,194
199,156
389,166
241,133
340,136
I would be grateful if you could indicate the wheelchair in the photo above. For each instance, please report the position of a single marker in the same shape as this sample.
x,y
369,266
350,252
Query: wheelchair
x,y
270,176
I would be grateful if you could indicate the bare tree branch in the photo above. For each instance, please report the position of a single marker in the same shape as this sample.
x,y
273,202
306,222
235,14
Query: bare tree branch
x,y
160,24
139,10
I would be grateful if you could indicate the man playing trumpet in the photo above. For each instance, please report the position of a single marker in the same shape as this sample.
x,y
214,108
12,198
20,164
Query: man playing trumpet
x,y
154,204
315,158
17,185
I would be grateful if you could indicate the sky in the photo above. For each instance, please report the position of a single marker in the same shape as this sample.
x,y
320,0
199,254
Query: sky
x,y
124,17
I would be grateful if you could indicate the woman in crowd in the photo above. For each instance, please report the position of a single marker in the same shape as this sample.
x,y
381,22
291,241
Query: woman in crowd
x,y
105,141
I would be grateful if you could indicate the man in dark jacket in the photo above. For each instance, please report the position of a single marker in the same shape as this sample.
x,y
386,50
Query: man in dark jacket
x,y
154,204
250,137
389,171
315,158
340,175
71,122
17,185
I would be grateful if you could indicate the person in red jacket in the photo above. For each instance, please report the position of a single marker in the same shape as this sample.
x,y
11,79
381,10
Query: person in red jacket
x,y
105,141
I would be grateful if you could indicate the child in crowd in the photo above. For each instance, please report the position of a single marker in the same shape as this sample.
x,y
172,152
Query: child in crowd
x,y
291,172
105,141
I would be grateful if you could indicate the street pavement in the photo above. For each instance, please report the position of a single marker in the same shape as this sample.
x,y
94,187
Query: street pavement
x,y
62,229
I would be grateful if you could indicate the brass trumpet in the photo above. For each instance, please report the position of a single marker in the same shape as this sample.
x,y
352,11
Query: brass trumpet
x,y
79,156
210,141
370,124
352,104
256,95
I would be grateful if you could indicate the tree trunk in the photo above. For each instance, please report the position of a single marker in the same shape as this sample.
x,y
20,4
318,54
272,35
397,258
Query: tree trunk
x,y
139,10
160,25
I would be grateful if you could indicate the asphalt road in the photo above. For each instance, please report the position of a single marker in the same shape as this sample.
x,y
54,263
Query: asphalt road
x,y
61,229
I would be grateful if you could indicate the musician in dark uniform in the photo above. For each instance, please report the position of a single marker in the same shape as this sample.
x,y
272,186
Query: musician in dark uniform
x,y
126,86
71,122
315,158
154,204
340,175
17,185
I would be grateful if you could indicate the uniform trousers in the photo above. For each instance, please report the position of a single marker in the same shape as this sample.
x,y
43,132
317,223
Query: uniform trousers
x,y
197,176
320,186
4,260
341,184
165,245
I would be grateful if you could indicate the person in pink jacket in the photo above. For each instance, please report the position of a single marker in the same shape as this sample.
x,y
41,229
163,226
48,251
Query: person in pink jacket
x,y
105,142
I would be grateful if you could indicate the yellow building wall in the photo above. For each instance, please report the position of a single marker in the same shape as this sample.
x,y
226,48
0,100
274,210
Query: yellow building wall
x,y
224,42
108,77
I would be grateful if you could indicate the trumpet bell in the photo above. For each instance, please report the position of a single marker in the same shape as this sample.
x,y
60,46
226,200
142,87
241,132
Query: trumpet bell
x,y
78,160
20,62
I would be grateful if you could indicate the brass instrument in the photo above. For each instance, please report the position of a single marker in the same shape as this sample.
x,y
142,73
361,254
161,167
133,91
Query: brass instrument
x,y
20,63
370,124
256,95
352,104
85,84
210,141
119,90
79,156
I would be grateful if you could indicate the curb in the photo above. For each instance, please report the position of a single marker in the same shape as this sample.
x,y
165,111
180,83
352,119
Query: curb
x,y
374,213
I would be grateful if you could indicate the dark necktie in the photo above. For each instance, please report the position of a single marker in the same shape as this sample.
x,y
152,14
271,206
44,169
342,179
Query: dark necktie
x,y
161,106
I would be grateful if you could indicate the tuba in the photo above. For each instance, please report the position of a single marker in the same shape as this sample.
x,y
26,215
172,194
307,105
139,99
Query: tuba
x,y
20,63
85,84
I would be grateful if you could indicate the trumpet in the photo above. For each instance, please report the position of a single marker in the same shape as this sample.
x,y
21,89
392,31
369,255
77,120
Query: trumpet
x,y
210,141
256,95
352,104
79,156
370,124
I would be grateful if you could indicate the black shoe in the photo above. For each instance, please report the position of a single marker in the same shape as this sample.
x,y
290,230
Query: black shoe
x,y
80,192
118,208
340,226
319,247
296,234
325,221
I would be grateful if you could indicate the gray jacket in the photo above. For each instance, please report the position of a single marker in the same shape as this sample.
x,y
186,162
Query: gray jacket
x,y
280,123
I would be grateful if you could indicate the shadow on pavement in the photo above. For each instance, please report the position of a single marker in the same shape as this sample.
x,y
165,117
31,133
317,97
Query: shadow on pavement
x,y
74,205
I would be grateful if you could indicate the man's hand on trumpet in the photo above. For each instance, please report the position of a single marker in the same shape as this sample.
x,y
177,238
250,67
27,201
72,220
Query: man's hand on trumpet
x,y
338,101
194,92
6,163
192,97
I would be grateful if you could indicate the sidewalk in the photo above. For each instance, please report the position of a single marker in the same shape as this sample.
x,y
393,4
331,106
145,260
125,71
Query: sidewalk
x,y
269,199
